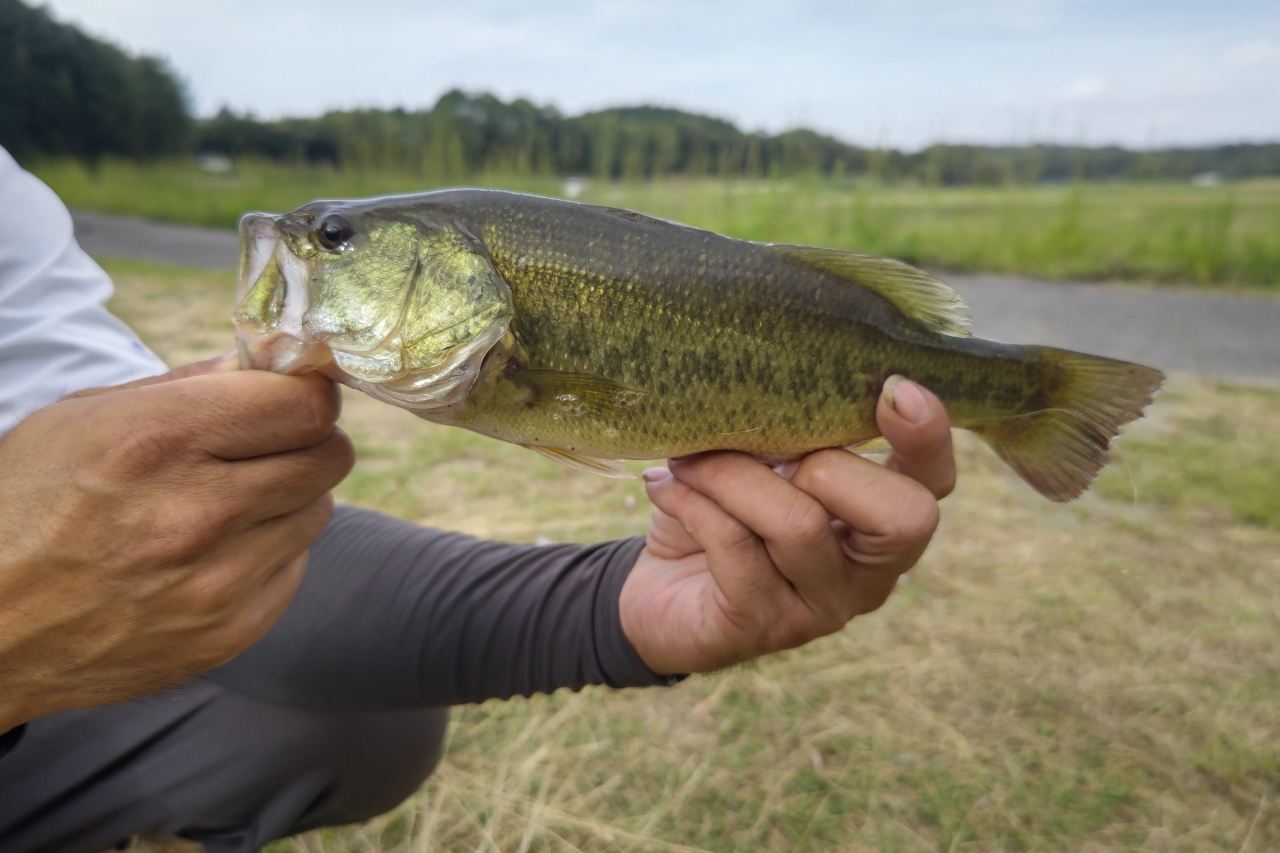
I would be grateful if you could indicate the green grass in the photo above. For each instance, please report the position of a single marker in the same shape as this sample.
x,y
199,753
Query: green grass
x,y
1220,454
1099,676
1228,235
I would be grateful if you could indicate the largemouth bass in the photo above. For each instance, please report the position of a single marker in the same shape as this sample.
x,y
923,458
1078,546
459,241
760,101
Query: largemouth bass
x,y
592,335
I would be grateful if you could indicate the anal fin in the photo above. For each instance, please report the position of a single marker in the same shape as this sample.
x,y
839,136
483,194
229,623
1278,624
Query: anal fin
x,y
582,462
879,444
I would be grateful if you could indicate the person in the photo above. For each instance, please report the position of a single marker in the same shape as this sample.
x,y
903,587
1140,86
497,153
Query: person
x,y
195,643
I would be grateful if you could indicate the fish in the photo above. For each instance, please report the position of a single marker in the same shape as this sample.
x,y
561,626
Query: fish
x,y
593,335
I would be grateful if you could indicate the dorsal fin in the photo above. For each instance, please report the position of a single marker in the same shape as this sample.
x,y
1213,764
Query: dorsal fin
x,y
918,296
640,217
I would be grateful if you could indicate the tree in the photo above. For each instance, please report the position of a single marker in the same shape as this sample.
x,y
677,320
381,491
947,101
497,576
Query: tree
x,y
62,92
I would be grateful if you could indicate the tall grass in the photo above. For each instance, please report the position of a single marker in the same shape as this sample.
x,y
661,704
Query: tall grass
x,y
1228,235
1095,677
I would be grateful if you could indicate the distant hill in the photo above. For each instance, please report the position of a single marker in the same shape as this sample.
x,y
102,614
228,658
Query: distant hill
x,y
64,93
465,134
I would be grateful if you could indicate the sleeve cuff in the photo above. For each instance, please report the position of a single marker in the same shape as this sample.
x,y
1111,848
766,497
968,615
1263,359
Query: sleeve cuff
x,y
9,740
620,663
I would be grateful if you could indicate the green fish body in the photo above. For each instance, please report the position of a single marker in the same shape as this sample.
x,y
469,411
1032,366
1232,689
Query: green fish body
x,y
599,334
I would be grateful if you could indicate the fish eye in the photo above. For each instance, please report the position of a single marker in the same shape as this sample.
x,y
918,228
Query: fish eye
x,y
333,231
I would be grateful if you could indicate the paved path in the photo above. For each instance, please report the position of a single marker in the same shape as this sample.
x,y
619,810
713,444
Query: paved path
x,y
181,245
1178,331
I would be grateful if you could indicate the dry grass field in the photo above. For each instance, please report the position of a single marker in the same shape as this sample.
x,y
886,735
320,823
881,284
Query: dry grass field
x,y
1096,677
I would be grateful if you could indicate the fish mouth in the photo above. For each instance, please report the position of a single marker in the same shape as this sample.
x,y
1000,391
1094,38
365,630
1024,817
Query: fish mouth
x,y
272,297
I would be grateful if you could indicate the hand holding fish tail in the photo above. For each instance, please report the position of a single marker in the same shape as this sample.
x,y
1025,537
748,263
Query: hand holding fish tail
x,y
741,561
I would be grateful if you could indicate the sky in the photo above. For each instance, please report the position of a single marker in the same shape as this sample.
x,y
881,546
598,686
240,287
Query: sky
x,y
900,73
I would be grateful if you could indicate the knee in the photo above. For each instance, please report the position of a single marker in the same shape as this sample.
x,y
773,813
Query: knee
x,y
382,760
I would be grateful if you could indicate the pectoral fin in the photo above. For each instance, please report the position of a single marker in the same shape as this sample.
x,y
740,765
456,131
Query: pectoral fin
x,y
582,462
576,394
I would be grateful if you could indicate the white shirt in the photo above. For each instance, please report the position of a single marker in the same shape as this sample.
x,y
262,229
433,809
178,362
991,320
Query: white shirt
x,y
56,335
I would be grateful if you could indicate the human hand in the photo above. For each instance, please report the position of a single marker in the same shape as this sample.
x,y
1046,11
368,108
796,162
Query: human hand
x,y
740,562
154,530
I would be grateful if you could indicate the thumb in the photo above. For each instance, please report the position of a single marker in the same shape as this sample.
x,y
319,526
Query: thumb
x,y
225,363
916,425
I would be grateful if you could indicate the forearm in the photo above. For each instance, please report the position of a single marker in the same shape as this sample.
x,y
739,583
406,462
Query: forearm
x,y
393,615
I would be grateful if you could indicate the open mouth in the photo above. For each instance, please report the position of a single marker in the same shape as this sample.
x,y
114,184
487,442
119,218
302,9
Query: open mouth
x,y
272,299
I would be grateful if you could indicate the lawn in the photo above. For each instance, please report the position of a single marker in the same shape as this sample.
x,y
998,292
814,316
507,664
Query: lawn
x,y
1206,236
1099,676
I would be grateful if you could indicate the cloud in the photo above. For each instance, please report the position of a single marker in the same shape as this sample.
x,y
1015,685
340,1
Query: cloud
x,y
1085,88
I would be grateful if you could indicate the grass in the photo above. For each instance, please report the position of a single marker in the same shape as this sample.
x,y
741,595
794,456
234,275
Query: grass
x,y
1210,236
1095,677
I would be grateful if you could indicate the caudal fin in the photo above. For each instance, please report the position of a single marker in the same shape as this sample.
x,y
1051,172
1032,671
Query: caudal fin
x,y
1061,448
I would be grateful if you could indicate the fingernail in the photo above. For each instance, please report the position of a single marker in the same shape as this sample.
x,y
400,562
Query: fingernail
x,y
906,398
653,475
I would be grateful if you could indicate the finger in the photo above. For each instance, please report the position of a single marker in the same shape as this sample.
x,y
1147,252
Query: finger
x,y
249,412
890,517
795,527
225,363
264,487
667,537
916,424
242,563
738,561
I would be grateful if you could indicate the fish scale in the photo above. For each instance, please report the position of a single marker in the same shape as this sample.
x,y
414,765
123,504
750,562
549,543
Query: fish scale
x,y
598,334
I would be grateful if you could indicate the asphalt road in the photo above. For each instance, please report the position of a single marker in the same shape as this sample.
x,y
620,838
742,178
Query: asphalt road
x,y
1234,336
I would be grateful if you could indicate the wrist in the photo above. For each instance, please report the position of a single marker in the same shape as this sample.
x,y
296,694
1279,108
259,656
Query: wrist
x,y
634,618
620,659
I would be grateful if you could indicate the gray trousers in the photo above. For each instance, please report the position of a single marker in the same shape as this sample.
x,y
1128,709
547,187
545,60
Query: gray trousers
x,y
210,765
340,711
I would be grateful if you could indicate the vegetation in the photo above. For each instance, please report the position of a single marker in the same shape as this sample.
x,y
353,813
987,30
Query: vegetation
x,y
1099,676
466,134
63,92
1139,231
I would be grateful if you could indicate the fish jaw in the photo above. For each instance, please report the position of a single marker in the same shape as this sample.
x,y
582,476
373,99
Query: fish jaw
x,y
272,298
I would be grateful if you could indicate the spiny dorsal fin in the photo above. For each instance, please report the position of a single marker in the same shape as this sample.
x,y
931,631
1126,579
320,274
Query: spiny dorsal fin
x,y
918,296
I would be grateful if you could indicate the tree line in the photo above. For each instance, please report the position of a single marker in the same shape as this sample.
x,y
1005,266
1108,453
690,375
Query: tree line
x,y
466,134
65,93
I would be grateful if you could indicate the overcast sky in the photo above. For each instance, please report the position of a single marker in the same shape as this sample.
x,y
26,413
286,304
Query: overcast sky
x,y
901,72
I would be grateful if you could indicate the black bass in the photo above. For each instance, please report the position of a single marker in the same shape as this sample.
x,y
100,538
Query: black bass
x,y
592,335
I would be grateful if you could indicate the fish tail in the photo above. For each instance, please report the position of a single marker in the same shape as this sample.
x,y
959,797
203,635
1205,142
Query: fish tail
x,y
1060,446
